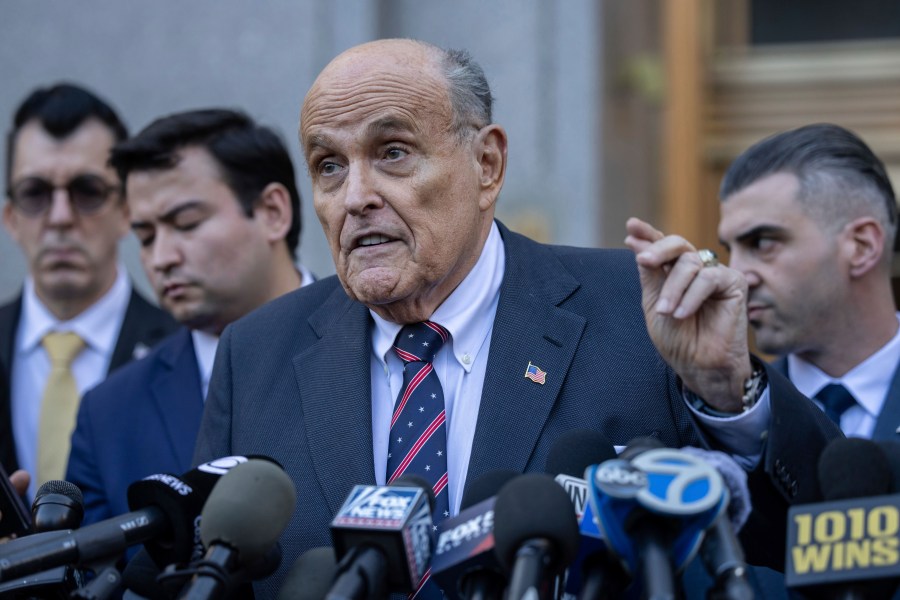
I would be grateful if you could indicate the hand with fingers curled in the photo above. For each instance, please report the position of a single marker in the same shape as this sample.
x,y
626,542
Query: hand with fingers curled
x,y
696,312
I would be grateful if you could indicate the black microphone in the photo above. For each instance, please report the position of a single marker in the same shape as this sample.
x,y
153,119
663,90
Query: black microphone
x,y
720,550
246,512
535,534
57,505
164,509
311,576
383,537
464,564
846,546
594,573
891,449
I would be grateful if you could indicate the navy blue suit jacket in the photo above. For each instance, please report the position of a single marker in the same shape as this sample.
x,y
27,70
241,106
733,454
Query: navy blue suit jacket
x,y
144,325
142,420
292,381
887,426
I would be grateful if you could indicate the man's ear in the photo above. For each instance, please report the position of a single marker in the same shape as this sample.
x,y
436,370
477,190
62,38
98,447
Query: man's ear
x,y
490,147
10,221
273,211
864,244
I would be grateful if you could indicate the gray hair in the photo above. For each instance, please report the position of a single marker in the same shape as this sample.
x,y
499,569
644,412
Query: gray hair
x,y
470,94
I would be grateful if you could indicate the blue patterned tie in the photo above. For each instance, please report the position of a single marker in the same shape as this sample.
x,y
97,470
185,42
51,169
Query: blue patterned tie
x,y
418,442
835,399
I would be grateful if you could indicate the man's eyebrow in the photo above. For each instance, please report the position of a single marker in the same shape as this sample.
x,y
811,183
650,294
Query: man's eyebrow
x,y
755,232
389,125
170,215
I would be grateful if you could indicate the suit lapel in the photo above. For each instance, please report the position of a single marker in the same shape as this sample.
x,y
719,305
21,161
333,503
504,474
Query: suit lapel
x,y
337,411
886,427
176,390
529,328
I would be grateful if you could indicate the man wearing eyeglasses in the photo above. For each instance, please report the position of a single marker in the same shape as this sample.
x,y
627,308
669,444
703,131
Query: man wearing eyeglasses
x,y
77,317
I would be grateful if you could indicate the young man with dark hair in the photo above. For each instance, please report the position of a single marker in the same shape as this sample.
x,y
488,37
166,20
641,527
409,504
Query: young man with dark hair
x,y
214,204
65,211
810,219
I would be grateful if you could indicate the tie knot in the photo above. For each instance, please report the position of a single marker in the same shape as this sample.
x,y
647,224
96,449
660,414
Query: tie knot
x,y
419,342
62,347
836,399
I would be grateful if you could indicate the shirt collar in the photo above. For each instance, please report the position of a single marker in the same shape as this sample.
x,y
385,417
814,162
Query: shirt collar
x,y
467,313
205,345
97,325
869,381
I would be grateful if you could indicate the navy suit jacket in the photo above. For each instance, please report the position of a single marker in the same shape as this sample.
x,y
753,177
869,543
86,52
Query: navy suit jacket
x,y
292,381
887,426
143,326
142,420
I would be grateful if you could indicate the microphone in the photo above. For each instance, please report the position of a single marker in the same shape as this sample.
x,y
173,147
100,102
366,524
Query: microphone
x,y
535,534
383,537
847,546
593,573
240,523
464,564
654,509
57,505
720,550
164,508
311,576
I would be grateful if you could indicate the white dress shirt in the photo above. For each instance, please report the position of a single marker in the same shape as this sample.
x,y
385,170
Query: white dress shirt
x,y
468,314
98,326
868,382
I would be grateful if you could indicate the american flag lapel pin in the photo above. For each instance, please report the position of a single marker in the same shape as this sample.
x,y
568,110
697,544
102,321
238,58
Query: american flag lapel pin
x,y
534,373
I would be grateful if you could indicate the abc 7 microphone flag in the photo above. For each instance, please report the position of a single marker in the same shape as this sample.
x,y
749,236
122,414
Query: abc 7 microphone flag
x,y
663,481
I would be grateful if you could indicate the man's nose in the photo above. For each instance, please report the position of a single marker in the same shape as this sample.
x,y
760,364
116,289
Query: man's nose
x,y
61,212
361,192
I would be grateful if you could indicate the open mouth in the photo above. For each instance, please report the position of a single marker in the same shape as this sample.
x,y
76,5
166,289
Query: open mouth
x,y
374,239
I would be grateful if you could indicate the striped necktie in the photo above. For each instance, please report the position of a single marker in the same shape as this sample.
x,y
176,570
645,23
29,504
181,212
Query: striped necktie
x,y
418,442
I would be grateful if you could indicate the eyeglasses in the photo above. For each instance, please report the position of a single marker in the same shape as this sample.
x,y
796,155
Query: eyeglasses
x,y
87,194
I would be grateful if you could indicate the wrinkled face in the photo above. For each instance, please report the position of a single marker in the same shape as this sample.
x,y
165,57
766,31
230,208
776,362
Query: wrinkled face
x,y
71,255
207,260
793,267
396,191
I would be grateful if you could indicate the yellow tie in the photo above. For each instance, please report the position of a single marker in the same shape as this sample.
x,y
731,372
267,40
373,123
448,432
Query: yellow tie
x,y
59,406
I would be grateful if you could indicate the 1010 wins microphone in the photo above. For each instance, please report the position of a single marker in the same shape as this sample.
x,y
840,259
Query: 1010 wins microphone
x,y
383,537
847,546
246,512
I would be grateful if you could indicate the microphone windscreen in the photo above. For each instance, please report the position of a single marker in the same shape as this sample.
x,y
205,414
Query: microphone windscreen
x,y
57,505
248,509
58,486
413,480
891,449
576,450
640,444
311,576
853,468
534,506
487,485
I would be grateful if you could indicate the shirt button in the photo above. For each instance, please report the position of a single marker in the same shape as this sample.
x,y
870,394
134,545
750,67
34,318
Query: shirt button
x,y
466,359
